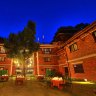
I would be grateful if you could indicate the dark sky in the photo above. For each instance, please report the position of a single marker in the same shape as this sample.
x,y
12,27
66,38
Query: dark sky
x,y
48,15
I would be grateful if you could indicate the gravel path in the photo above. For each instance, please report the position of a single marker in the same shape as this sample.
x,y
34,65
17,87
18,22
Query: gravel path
x,y
30,88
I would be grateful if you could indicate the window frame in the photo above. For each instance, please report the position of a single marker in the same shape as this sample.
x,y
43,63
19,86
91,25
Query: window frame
x,y
93,34
47,59
46,50
78,68
73,48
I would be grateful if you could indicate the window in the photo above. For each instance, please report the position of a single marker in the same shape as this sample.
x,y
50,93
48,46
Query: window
x,y
29,71
94,35
73,47
47,59
46,50
2,59
78,68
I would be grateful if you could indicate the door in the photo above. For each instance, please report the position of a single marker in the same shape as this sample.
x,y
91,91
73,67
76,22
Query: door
x,y
66,71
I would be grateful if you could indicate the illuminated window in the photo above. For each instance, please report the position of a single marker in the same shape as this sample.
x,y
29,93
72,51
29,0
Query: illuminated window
x,y
46,50
29,71
94,35
2,59
78,68
73,47
47,59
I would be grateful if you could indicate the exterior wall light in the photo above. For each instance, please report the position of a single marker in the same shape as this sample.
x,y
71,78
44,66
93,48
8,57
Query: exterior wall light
x,y
85,80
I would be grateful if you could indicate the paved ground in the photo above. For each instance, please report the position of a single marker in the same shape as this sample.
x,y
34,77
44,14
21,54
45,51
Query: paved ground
x,y
30,88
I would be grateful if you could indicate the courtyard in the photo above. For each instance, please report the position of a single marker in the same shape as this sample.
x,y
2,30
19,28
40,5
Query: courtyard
x,y
29,88
38,88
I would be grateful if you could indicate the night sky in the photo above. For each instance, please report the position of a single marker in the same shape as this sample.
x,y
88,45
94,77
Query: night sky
x,y
48,15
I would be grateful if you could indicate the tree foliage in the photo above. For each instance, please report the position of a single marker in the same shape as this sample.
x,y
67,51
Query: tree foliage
x,y
1,39
64,33
81,26
22,44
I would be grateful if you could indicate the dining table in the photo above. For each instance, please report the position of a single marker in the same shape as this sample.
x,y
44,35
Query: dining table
x,y
57,82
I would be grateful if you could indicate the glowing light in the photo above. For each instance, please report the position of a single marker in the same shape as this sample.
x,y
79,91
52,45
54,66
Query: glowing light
x,y
29,65
77,82
18,65
57,78
16,61
85,80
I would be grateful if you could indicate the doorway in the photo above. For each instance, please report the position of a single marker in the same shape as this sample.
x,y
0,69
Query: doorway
x,y
66,71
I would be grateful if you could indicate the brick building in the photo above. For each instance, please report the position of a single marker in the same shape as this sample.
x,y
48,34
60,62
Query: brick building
x,y
5,63
46,59
78,54
76,57
81,52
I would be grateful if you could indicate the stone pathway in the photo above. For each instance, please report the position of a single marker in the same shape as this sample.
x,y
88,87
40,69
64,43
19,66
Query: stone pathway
x,y
30,88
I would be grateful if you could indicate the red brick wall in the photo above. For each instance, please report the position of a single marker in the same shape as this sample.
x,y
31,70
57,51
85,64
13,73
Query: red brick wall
x,y
89,66
6,64
86,47
53,63
35,64
62,60
13,70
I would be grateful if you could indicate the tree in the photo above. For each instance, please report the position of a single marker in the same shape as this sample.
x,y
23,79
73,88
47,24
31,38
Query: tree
x,y
21,46
64,33
1,39
81,26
